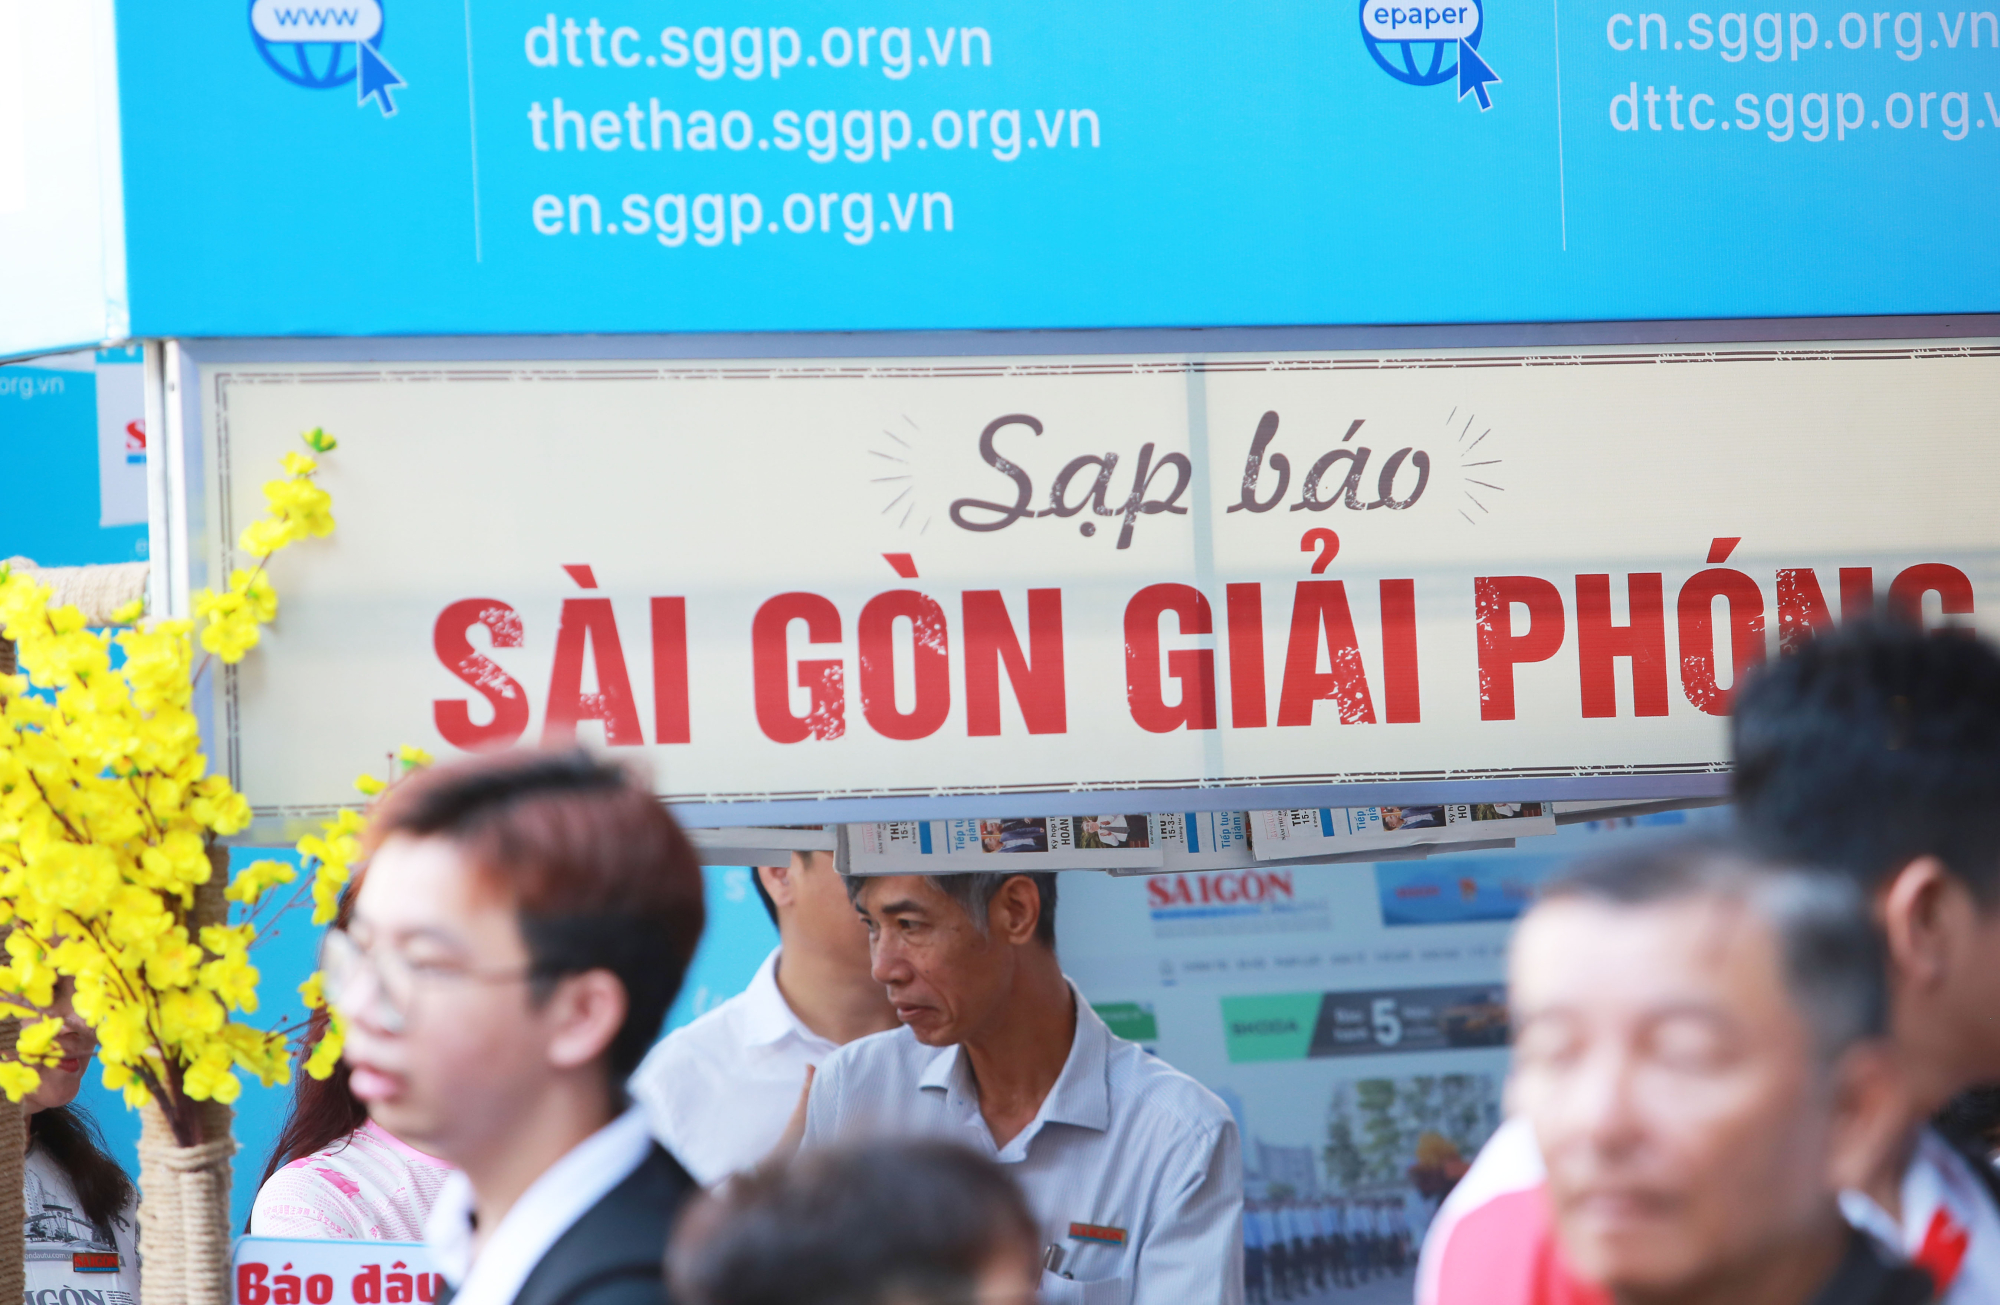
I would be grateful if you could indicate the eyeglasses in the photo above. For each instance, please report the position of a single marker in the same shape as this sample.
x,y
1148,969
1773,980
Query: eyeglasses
x,y
383,982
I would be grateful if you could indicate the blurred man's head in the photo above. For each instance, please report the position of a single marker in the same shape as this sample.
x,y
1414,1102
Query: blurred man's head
x,y
1875,751
1694,1048
949,948
522,928
907,1223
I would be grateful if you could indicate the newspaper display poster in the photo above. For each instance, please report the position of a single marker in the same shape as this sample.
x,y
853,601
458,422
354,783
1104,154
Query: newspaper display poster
x,y
881,589
1361,1047
331,1271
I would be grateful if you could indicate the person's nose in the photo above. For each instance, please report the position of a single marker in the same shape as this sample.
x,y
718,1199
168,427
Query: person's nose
x,y
1603,1108
888,964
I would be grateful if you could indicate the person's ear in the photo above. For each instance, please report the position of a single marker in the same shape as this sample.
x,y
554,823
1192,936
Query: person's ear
x,y
1015,910
1922,909
1871,1107
583,1015
782,882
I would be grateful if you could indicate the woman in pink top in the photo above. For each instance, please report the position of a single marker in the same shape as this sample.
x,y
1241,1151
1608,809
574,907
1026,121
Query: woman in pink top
x,y
336,1173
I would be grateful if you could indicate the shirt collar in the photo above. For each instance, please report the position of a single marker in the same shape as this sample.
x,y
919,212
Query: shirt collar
x,y
766,1016
1082,1092
402,1148
552,1204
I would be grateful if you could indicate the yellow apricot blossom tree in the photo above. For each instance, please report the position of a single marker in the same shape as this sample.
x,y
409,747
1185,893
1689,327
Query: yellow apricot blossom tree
x,y
109,828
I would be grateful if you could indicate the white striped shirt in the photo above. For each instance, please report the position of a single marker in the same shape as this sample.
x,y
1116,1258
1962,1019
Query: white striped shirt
x,y
1124,1144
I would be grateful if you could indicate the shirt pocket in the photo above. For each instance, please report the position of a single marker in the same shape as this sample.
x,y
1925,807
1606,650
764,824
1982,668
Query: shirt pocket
x,y
1058,1290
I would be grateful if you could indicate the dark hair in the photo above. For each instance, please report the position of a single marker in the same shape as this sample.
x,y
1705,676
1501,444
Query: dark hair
x,y
1971,1120
975,890
323,1111
70,1138
601,876
911,1222
1872,746
1829,947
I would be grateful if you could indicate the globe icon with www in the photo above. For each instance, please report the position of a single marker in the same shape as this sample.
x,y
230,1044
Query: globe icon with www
x,y
315,65
1417,45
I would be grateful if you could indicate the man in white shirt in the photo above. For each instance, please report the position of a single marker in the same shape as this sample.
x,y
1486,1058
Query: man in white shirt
x,y
1133,1170
524,923
719,1091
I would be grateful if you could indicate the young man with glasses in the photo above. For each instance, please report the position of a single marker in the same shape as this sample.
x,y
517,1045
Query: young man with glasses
x,y
523,926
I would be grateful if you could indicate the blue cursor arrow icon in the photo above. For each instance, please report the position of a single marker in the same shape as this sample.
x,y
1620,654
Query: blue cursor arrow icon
x,y
374,79
1473,75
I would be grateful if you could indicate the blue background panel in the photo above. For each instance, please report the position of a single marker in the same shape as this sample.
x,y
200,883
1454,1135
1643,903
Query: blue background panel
x,y
1253,169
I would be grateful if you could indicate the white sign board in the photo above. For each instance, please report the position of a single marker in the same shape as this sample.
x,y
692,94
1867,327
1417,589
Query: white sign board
x,y
331,1271
997,587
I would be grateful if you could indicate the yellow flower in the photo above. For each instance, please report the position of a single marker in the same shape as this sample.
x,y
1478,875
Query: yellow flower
x,y
259,598
264,536
258,878
38,1040
369,786
413,757
17,1080
326,1055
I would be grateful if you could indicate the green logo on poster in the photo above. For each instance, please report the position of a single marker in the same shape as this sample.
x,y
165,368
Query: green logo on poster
x,y
1276,1026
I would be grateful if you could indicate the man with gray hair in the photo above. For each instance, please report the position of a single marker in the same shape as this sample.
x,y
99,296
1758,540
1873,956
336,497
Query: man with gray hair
x,y
1697,1047
1133,1169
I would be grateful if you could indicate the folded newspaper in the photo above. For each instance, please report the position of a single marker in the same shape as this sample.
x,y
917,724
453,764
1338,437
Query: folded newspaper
x,y
1196,841
918,847
1323,831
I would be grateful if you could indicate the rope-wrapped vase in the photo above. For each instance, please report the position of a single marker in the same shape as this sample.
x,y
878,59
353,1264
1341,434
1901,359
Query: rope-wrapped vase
x,y
184,1182
183,1210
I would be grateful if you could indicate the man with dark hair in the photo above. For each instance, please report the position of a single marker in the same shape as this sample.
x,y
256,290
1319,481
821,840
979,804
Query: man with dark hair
x,y
1133,1170
720,1091
1696,1049
910,1223
524,924
1871,754
1874,752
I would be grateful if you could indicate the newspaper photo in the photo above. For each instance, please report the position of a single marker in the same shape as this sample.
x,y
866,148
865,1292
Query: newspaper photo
x,y
1322,831
1203,840
918,847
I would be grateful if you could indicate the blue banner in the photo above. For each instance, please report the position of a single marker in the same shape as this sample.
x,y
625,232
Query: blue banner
x,y
378,166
